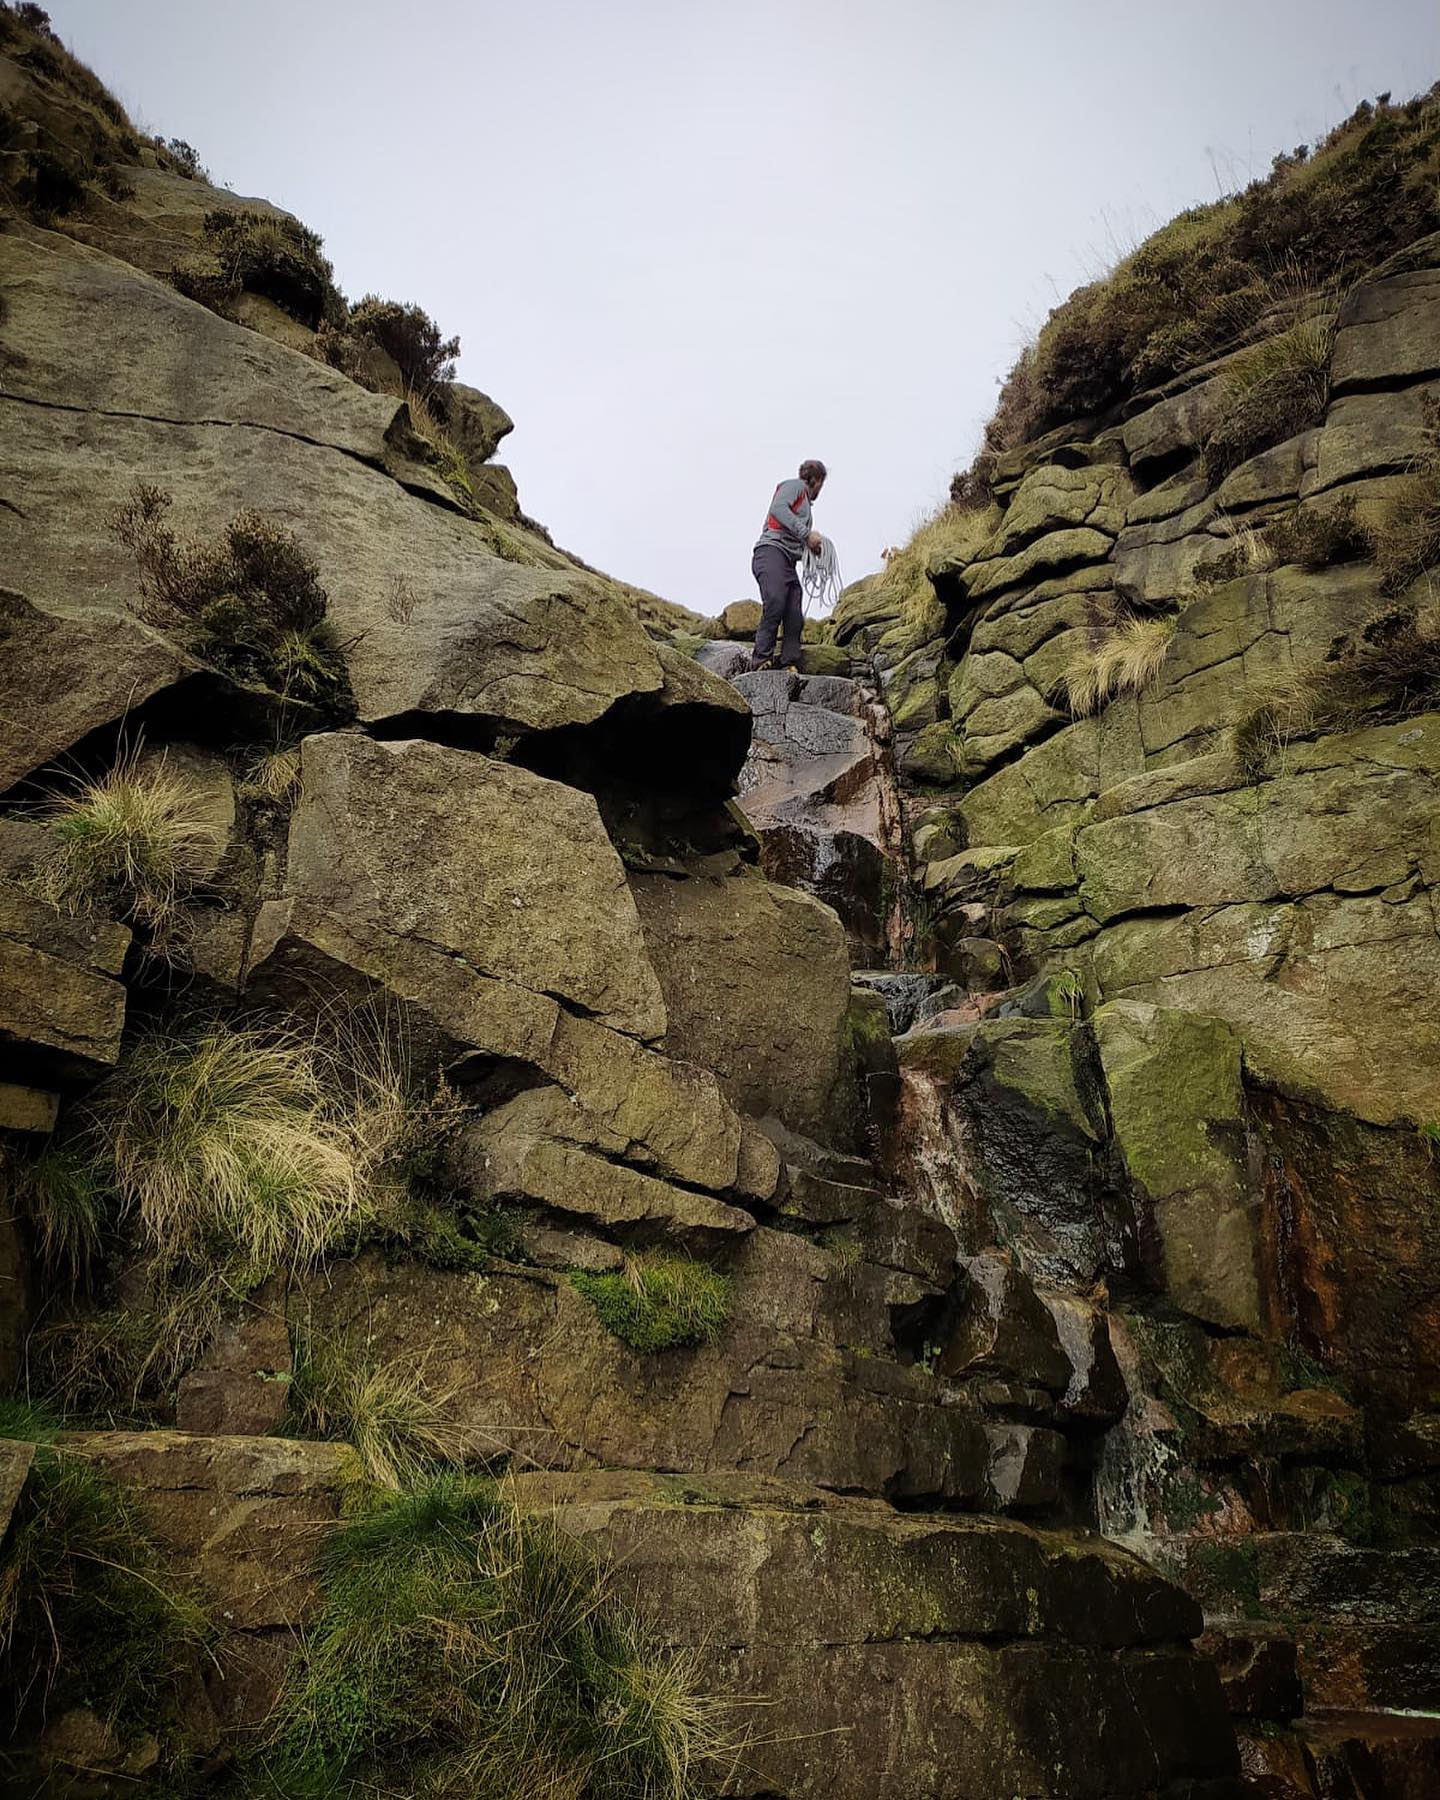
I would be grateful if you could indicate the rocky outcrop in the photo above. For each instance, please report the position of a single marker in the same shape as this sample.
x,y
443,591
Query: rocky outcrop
x,y
1202,1088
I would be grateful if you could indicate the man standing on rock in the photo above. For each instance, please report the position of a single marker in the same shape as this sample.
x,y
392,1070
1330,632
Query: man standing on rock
x,y
785,539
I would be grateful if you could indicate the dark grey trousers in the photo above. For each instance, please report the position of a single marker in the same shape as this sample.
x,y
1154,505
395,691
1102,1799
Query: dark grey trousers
x,y
780,604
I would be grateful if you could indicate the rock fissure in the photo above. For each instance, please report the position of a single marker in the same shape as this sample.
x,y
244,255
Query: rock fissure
x,y
375,462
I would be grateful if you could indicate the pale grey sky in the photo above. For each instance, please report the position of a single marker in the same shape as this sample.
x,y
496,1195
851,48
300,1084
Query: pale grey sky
x,y
688,244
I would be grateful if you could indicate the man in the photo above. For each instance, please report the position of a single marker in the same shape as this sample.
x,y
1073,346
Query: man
x,y
785,539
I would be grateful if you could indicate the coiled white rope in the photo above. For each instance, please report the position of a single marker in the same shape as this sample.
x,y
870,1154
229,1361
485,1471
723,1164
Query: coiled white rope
x,y
820,577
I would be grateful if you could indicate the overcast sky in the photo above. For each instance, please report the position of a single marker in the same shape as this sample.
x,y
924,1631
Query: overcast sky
x,y
687,244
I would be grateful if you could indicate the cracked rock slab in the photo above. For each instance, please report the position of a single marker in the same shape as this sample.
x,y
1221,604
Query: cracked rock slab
x,y
431,618
520,1361
62,1005
544,1148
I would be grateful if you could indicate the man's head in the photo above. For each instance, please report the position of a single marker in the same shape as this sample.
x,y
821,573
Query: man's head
x,y
812,473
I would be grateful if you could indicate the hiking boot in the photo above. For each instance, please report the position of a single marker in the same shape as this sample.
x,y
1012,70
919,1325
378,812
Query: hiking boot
x,y
793,669
760,663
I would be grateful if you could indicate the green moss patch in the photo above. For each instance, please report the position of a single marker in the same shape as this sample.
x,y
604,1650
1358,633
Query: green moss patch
x,y
660,1302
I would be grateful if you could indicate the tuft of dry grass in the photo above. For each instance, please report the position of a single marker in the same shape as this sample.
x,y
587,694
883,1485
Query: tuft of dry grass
x,y
1270,392
272,775
1125,661
115,1362
449,459
1391,671
383,1408
222,1145
70,1205
136,842
215,1156
1407,534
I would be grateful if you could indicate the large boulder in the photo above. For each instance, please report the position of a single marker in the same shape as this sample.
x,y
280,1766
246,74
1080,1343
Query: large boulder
x,y
475,422
756,983
473,859
1177,1110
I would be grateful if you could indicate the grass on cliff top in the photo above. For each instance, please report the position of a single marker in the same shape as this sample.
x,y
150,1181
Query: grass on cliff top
x,y
659,1302
269,254
89,1613
134,843
1390,671
1125,660
27,34
468,1648
1197,286
954,533
250,602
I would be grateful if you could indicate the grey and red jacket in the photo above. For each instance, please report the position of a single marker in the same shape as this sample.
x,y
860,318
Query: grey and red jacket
x,y
788,523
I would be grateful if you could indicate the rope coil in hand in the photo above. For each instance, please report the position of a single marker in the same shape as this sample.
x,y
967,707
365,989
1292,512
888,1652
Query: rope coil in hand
x,y
820,577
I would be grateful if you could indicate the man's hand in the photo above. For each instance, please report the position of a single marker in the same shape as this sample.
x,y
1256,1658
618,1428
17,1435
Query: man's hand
x,y
814,541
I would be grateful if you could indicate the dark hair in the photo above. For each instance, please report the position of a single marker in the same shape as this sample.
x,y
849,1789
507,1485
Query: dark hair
x,y
812,470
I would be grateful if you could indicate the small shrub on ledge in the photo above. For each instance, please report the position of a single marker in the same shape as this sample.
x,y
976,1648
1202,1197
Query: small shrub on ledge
x,y
412,341
251,603
1315,537
1391,672
268,254
660,1302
